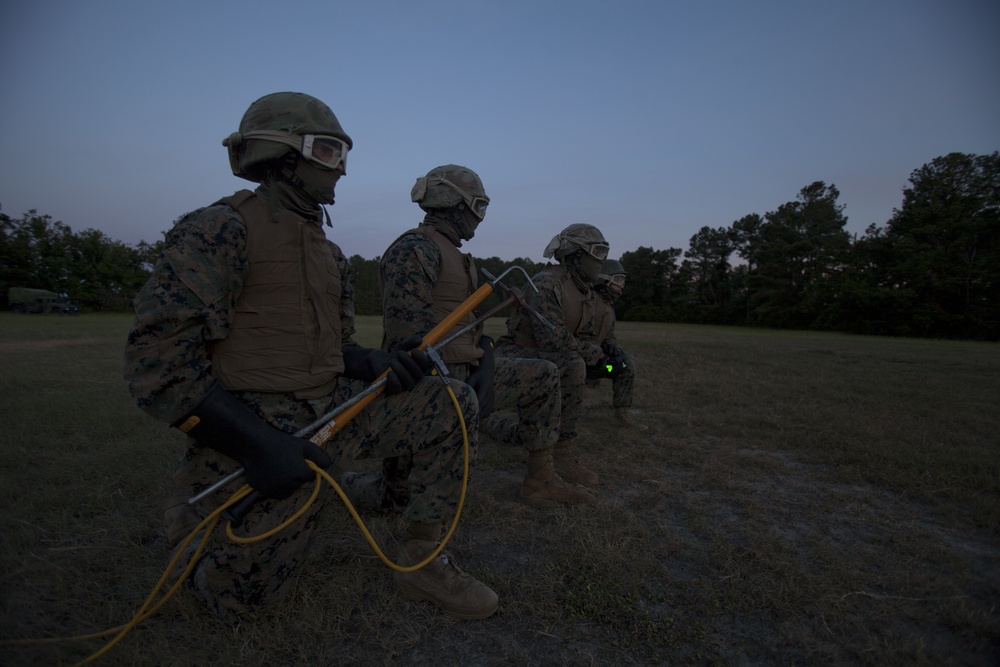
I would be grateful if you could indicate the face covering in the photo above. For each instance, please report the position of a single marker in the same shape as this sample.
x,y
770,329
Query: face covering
x,y
583,272
469,223
316,183
457,223
590,267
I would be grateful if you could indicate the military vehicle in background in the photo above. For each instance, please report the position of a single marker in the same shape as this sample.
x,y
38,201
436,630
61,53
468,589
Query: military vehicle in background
x,y
28,300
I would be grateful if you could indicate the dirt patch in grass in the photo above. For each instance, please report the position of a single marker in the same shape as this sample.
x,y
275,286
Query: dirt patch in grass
x,y
703,550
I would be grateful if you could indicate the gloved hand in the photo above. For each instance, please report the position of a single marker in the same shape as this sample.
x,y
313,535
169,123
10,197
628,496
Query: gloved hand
x,y
407,365
274,462
611,368
612,351
614,360
481,378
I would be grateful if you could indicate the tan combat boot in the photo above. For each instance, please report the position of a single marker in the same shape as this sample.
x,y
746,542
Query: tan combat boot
x,y
625,419
567,467
542,487
441,581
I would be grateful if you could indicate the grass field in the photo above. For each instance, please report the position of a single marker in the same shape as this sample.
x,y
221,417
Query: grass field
x,y
800,498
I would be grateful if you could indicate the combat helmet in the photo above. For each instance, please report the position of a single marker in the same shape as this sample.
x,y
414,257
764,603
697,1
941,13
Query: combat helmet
x,y
449,185
280,123
612,268
576,237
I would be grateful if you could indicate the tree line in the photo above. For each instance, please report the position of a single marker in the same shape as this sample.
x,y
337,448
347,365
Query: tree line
x,y
101,274
933,270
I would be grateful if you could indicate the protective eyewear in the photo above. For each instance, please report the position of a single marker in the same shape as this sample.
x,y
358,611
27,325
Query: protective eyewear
x,y
617,279
476,204
597,250
326,151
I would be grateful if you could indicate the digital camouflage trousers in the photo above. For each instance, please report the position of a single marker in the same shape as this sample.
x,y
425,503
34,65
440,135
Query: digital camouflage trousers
x,y
622,381
526,411
421,424
572,375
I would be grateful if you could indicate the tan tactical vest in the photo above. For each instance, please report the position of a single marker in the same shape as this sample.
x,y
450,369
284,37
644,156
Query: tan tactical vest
x,y
577,309
455,283
286,332
604,318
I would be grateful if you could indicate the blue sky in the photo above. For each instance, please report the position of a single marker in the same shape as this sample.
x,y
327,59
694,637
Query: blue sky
x,y
648,119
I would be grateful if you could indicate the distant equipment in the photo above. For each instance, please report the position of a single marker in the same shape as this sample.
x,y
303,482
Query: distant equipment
x,y
29,300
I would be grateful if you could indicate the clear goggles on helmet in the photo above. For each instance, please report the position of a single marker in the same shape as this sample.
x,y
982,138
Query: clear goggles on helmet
x,y
477,204
595,250
617,279
324,150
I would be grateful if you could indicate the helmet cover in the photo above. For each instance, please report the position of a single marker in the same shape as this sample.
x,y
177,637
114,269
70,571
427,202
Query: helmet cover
x,y
292,114
578,236
449,185
612,267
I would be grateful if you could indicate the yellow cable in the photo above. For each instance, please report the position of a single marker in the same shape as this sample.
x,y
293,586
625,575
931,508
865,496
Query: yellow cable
x,y
280,527
209,523
357,518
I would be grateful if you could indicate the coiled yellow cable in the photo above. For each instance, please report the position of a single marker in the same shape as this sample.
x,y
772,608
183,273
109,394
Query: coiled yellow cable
x,y
209,523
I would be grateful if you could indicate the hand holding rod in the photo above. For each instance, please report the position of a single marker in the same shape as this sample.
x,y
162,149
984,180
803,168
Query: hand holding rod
x,y
326,426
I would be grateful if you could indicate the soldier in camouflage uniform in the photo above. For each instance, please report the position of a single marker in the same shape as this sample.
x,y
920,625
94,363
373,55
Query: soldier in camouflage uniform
x,y
566,298
618,365
243,336
424,277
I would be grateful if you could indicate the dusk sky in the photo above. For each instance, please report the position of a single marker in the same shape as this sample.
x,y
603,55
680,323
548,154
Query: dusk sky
x,y
648,119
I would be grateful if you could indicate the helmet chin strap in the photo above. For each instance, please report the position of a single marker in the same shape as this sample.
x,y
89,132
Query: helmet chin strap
x,y
454,222
310,194
285,188
574,264
469,222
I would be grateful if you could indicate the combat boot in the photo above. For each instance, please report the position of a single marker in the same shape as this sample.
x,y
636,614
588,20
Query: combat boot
x,y
457,593
542,487
567,467
625,419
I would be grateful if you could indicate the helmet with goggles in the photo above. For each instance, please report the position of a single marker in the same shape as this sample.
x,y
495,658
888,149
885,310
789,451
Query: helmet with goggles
x,y
280,123
613,273
578,237
450,185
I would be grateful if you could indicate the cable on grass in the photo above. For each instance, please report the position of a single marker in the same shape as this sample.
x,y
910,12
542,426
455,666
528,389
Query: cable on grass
x,y
209,524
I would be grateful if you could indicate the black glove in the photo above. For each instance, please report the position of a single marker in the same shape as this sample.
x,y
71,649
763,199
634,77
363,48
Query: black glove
x,y
274,462
481,379
406,363
612,351
614,361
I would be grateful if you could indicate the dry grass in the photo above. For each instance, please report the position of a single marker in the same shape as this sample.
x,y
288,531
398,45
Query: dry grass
x,y
800,499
